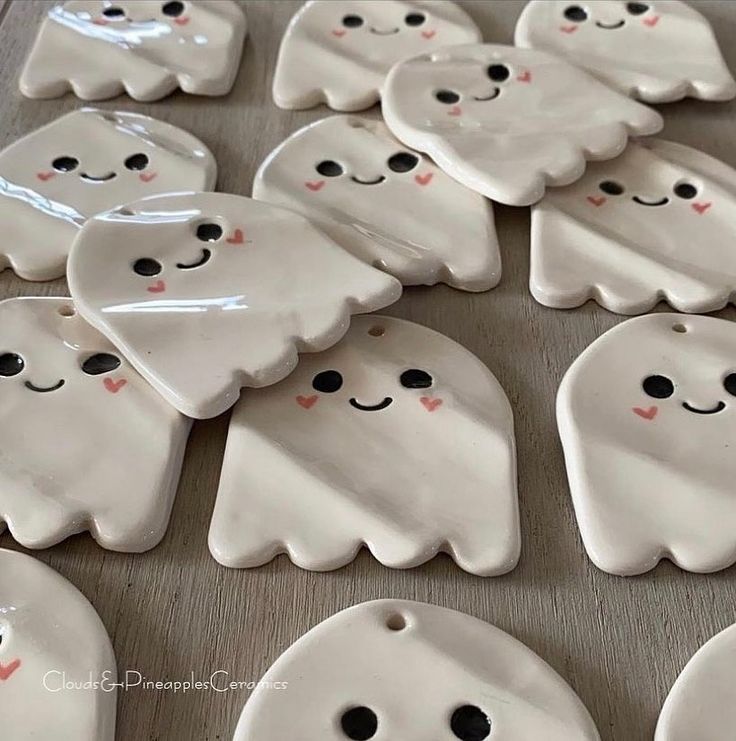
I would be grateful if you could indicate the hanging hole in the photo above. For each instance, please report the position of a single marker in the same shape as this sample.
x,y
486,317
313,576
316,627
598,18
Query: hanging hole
x,y
355,123
396,622
125,212
681,328
377,331
67,310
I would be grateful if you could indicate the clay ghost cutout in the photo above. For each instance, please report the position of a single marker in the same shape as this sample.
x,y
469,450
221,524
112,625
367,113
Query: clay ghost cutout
x,y
85,162
145,48
624,234
338,52
502,120
368,439
390,207
50,634
206,292
646,415
86,443
657,52
701,703
394,669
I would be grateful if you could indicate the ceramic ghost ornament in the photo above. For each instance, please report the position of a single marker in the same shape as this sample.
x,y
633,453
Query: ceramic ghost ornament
x,y
339,51
701,703
146,48
390,207
86,443
646,417
412,671
623,234
207,292
57,667
656,51
362,445
85,162
504,122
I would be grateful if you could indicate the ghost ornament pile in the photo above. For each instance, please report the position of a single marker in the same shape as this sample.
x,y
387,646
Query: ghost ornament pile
x,y
656,51
145,48
338,52
52,644
54,179
390,207
647,419
412,671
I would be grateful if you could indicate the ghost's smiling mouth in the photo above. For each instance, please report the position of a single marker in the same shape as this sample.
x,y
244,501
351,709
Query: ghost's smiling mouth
x,y
371,407
717,408
379,32
97,179
496,92
609,26
659,202
44,389
375,181
204,257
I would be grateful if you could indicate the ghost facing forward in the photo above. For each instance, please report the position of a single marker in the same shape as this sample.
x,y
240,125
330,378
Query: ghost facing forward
x,y
53,646
398,439
647,416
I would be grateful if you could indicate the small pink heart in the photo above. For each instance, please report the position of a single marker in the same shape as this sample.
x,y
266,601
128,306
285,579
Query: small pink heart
x,y
430,404
701,208
650,413
158,287
45,175
568,29
429,34
339,34
146,177
314,184
182,21
525,76
237,237
114,386
424,179
6,670
100,22
596,201
651,22
307,402
455,111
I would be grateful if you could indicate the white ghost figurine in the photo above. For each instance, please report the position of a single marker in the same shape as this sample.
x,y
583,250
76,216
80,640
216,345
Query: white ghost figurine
x,y
508,122
85,162
646,416
657,51
86,443
57,666
656,223
702,702
207,292
392,208
339,51
146,48
394,669
397,438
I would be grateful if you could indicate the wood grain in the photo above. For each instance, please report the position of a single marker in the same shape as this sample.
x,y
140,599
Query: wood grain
x,y
619,642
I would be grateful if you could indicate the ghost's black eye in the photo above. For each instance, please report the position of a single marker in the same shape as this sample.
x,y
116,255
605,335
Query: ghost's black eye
x,y
637,8
11,364
685,190
147,266
414,378
113,12
352,21
575,13
403,162
729,383
65,164
137,161
327,381
209,232
611,187
498,72
329,169
359,723
102,362
448,97
470,723
173,9
414,19
659,387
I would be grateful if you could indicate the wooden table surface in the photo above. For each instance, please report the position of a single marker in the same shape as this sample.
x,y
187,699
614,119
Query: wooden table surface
x,y
619,642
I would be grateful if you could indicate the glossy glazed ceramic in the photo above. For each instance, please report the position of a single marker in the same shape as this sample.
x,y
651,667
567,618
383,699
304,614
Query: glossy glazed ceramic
x,y
86,443
505,122
656,51
363,444
412,671
702,702
339,51
207,292
646,415
146,48
624,234
392,208
85,162
52,643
